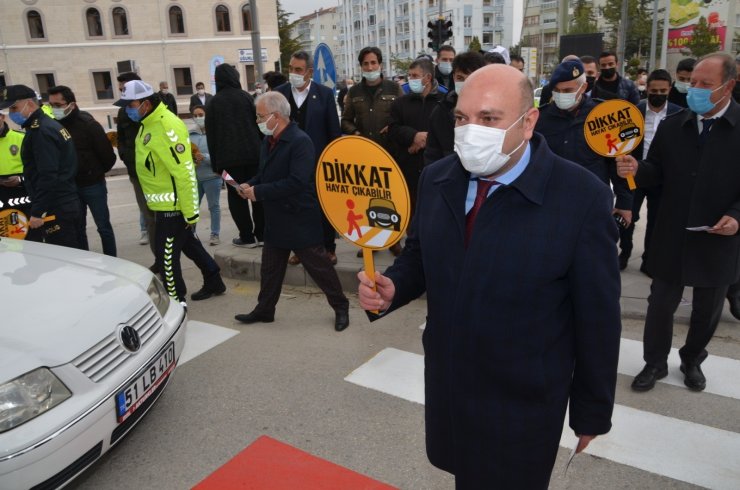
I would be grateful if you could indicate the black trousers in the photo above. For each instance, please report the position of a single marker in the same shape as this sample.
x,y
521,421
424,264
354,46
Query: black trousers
x,y
174,237
63,230
251,226
330,234
652,195
317,264
662,303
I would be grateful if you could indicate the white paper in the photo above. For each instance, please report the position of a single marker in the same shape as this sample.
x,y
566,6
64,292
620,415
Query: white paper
x,y
570,459
699,228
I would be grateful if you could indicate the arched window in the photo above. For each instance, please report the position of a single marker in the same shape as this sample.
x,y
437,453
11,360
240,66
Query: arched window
x,y
246,18
94,23
120,21
177,20
35,25
223,23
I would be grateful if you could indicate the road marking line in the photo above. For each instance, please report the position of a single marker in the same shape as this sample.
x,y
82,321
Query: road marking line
x,y
678,449
201,337
721,372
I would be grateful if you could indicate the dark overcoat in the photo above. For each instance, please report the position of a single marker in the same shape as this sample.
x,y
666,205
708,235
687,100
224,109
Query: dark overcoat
x,y
322,119
699,187
521,323
285,185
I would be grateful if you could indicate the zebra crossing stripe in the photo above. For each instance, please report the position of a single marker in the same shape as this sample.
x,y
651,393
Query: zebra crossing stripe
x,y
678,449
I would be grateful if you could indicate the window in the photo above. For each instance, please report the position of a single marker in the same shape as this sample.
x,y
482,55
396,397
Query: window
x,y
468,21
223,23
177,20
120,21
487,20
246,18
35,25
103,85
183,81
44,81
467,40
487,38
94,23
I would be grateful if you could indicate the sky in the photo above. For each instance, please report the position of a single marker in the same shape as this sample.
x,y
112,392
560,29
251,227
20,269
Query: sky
x,y
299,8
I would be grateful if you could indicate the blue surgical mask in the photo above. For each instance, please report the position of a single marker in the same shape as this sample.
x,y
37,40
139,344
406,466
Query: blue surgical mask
x,y
371,76
18,117
458,87
416,85
699,100
133,114
263,127
445,67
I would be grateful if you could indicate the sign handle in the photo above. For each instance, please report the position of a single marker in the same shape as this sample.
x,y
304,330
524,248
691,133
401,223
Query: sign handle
x,y
369,263
631,182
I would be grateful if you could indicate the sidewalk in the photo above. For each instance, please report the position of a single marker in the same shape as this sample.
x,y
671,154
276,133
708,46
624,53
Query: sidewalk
x,y
244,263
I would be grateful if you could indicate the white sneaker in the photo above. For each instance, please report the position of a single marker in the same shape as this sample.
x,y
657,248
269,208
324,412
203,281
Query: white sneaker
x,y
144,240
215,240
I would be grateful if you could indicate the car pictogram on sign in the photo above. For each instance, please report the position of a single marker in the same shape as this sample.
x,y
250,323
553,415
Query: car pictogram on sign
x,y
629,132
382,214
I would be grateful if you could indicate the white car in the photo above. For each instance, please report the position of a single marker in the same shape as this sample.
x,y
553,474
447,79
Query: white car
x,y
87,345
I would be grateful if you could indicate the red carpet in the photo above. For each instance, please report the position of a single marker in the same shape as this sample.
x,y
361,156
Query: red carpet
x,y
268,464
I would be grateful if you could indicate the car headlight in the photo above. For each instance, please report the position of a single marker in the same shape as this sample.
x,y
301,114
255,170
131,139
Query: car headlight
x,y
158,295
29,396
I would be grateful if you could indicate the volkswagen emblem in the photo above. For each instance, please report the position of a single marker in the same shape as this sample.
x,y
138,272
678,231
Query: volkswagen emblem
x,y
130,338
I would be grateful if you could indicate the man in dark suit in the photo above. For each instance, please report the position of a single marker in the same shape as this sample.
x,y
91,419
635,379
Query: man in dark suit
x,y
200,97
654,109
694,157
522,292
167,97
285,186
313,108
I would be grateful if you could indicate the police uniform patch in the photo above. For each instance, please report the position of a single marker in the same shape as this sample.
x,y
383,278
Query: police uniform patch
x,y
13,150
147,137
180,148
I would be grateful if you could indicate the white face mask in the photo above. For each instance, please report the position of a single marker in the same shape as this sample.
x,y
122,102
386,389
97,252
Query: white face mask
x,y
445,67
296,80
458,87
682,87
416,85
480,148
201,92
568,101
165,91
60,112
200,121
371,76
263,127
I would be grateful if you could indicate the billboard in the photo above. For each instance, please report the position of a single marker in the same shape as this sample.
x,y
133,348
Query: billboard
x,y
685,14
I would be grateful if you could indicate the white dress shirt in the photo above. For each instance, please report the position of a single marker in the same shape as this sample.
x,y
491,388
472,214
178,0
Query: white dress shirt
x,y
652,120
300,96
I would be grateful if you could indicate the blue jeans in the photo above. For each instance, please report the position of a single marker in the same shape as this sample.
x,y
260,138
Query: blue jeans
x,y
95,197
212,190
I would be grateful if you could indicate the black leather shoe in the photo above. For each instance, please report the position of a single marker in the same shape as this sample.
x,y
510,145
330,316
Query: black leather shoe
x,y
734,306
645,381
693,377
624,258
214,288
254,317
342,320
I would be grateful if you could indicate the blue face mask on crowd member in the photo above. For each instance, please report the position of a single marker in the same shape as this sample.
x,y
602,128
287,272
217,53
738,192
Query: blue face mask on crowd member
x,y
699,99
133,113
416,85
18,117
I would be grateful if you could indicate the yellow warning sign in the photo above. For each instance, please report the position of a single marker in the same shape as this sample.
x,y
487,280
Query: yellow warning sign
x,y
362,192
614,127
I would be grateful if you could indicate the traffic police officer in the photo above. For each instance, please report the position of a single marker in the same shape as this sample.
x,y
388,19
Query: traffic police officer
x,y
166,172
49,169
13,195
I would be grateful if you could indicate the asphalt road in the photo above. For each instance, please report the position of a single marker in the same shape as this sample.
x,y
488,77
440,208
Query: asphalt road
x,y
287,380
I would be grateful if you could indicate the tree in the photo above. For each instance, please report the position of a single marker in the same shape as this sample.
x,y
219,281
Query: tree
x,y
474,44
639,25
583,20
704,40
400,65
288,43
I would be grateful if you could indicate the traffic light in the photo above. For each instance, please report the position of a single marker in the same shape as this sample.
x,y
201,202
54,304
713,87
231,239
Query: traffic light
x,y
445,31
433,35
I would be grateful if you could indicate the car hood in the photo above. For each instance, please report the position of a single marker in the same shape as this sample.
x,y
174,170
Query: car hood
x,y
57,302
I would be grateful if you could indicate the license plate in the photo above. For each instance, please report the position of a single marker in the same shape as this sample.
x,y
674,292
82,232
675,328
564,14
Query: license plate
x,y
135,394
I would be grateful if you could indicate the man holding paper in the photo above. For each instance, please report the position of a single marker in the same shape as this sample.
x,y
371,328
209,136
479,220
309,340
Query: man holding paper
x,y
694,157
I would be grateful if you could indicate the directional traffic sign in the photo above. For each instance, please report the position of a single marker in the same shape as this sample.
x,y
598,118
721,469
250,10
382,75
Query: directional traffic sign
x,y
325,72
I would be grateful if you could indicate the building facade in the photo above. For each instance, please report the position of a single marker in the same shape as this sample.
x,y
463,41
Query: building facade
x,y
86,44
399,27
320,27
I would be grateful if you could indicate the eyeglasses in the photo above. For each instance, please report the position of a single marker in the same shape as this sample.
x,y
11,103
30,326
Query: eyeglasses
x,y
262,117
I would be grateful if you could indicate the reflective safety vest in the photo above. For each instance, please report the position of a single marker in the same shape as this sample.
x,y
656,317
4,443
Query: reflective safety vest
x,y
10,152
164,164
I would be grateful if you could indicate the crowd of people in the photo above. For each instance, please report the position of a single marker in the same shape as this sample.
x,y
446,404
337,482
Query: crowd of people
x,y
519,227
